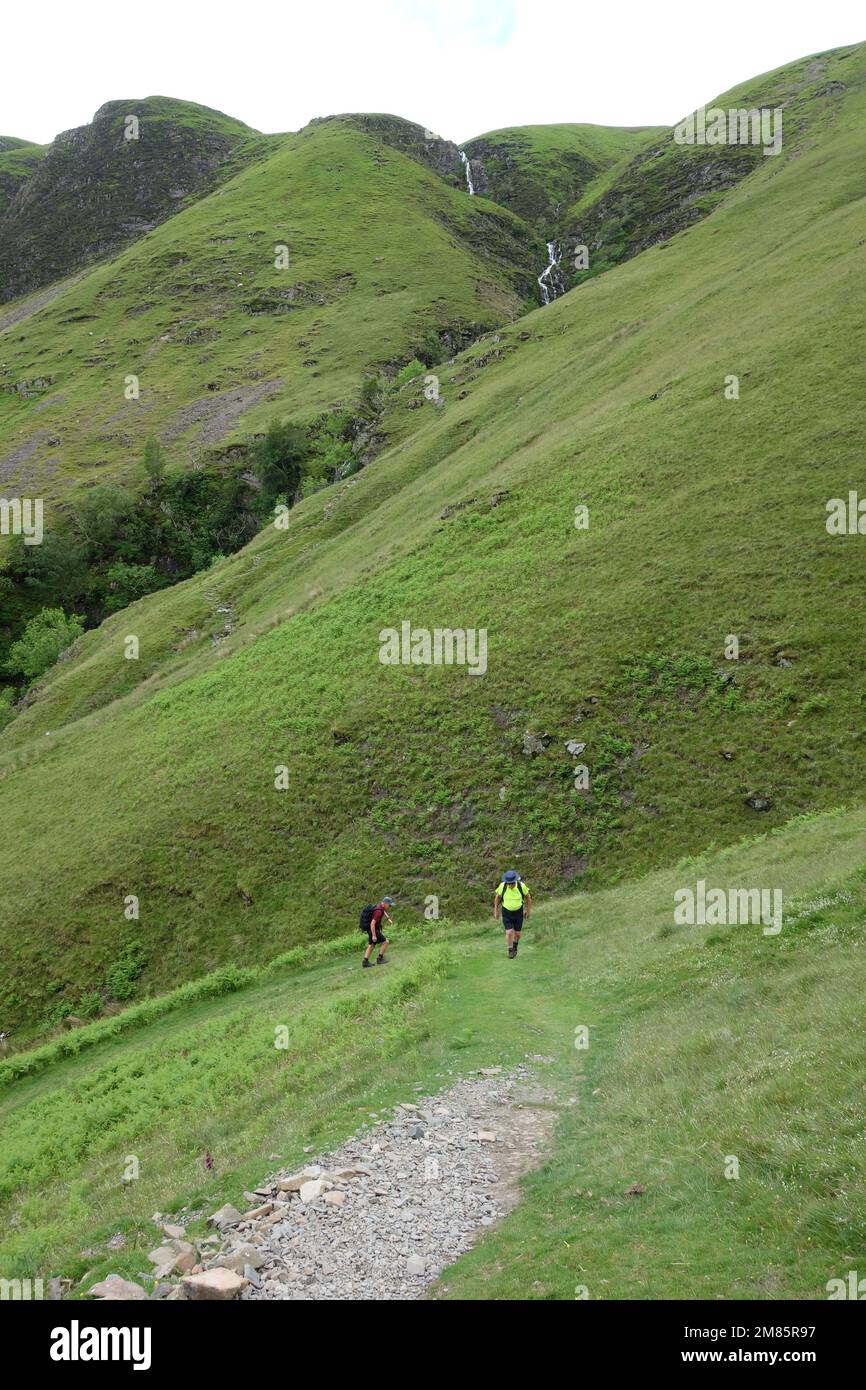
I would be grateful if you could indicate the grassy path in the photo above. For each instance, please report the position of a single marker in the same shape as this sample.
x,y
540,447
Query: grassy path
x,y
709,1049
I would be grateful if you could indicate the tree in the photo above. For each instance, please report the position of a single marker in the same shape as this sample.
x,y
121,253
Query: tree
x,y
127,583
99,513
278,460
43,639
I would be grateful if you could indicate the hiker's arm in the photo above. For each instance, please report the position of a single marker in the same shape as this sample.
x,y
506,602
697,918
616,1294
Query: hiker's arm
x,y
496,907
527,906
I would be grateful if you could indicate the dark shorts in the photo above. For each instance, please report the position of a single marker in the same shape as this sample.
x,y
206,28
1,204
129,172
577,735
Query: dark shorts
x,y
381,941
512,918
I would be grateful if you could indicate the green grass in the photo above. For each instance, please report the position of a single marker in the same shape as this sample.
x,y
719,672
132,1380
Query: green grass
x,y
156,777
383,256
18,159
540,170
665,187
703,1044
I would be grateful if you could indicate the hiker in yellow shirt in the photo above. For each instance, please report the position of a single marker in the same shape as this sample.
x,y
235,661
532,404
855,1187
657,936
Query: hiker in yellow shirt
x,y
512,896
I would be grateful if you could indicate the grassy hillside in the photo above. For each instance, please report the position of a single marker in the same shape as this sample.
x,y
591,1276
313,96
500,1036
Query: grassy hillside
x,y
156,777
667,186
384,261
539,171
697,1053
18,159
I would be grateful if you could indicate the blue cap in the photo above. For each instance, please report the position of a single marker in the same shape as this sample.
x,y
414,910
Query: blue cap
x,y
510,876
389,901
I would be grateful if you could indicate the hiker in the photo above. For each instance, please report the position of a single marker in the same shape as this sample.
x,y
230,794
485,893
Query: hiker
x,y
513,897
371,923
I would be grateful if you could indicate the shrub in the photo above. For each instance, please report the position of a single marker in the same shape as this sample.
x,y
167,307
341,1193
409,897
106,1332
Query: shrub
x,y
411,370
43,639
277,459
121,977
129,582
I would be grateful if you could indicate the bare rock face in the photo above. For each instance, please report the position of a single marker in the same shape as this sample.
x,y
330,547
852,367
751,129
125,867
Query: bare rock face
x,y
103,185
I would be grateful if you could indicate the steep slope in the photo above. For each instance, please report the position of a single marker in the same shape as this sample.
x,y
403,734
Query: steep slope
x,y
159,777
668,185
539,171
100,186
18,159
382,262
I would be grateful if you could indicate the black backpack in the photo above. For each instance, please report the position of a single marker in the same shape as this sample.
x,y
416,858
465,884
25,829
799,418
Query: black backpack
x,y
366,917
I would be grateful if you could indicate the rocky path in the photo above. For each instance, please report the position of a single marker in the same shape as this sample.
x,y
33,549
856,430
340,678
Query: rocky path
x,y
381,1216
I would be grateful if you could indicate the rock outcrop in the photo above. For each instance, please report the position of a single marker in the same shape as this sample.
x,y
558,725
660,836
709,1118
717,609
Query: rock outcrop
x,y
103,185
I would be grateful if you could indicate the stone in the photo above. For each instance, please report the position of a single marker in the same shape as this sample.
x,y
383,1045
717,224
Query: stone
x,y
162,1255
241,1255
173,1232
335,1198
487,1136
416,1264
316,1187
218,1283
113,1288
178,1257
264,1210
226,1216
295,1181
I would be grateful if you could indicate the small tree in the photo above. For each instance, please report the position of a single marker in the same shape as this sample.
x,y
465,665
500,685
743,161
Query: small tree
x,y
278,459
43,639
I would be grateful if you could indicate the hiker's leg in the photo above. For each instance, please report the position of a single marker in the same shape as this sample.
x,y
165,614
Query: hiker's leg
x,y
509,937
383,946
368,950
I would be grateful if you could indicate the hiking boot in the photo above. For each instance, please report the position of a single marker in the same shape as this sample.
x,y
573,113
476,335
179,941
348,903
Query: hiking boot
x,y
380,960
512,952
366,963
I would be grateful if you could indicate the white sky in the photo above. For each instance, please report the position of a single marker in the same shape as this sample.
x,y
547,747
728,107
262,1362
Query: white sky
x,y
461,67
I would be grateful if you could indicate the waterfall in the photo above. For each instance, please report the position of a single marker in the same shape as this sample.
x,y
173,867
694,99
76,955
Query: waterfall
x,y
468,167
545,284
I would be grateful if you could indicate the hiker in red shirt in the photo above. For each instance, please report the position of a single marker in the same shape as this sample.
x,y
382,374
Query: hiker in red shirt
x,y
371,923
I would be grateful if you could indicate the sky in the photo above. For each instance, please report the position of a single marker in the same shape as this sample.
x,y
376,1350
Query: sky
x,y
459,67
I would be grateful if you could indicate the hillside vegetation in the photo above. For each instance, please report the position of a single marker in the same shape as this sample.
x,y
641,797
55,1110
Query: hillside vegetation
x,y
256,771
98,187
382,262
695,1054
539,171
